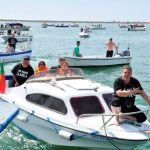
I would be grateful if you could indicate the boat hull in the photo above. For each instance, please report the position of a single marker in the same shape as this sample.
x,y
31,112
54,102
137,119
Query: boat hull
x,y
97,61
11,57
44,130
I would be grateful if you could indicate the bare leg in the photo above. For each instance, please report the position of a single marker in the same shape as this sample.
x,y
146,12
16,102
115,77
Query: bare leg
x,y
116,110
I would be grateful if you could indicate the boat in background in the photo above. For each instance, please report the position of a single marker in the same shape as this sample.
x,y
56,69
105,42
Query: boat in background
x,y
20,38
62,26
14,26
45,25
72,110
99,60
98,27
74,25
136,27
84,34
123,26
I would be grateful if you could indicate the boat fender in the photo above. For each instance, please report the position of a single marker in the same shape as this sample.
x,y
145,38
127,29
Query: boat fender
x,y
22,118
66,135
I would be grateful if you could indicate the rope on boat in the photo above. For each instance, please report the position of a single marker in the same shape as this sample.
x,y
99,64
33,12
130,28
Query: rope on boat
x,y
68,135
106,134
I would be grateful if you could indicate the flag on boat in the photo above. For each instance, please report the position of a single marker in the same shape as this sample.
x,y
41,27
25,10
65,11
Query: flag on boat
x,y
2,78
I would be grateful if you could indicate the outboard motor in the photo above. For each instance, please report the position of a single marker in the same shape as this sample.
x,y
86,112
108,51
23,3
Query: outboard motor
x,y
126,53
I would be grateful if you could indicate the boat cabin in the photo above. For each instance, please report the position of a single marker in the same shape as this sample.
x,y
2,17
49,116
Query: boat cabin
x,y
68,92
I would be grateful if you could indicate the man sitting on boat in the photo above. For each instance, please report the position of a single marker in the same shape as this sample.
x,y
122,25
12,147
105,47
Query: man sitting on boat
x,y
110,45
11,42
125,90
76,51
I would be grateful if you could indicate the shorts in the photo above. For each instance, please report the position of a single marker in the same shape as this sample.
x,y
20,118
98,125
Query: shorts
x,y
109,53
140,117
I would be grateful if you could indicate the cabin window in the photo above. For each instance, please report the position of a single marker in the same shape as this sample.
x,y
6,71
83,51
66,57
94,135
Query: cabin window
x,y
47,101
86,105
108,99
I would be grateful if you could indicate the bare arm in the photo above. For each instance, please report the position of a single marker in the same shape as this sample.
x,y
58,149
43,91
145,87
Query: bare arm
x,y
115,46
145,97
14,77
124,93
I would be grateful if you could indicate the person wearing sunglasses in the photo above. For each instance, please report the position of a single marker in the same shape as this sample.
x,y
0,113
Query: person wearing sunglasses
x,y
22,71
41,67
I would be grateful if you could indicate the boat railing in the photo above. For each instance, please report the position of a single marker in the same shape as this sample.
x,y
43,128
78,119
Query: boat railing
x,y
111,116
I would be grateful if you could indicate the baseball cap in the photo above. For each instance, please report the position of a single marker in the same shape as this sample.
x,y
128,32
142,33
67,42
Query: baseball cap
x,y
26,57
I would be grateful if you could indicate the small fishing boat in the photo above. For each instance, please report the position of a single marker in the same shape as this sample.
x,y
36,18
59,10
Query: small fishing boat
x,y
62,26
74,25
71,110
84,34
11,57
136,27
98,60
20,38
98,27
45,25
123,26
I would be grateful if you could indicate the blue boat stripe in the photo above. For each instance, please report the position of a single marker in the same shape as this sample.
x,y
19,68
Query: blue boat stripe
x,y
13,54
9,119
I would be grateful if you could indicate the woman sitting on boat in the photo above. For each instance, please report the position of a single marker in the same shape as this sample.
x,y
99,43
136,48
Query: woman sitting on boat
x,y
64,69
41,67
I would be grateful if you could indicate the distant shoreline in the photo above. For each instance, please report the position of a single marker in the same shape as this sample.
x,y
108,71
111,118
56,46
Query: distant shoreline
x,y
70,21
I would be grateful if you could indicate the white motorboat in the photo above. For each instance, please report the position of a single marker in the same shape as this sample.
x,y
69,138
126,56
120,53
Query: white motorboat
x,y
98,60
20,38
136,27
71,110
84,34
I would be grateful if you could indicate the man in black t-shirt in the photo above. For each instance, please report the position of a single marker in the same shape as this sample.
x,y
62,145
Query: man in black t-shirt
x,y
12,41
125,89
22,71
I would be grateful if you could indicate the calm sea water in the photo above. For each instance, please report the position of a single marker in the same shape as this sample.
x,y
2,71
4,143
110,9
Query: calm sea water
x,y
51,43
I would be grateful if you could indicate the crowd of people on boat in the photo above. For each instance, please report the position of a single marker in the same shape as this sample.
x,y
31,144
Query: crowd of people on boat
x,y
109,46
22,71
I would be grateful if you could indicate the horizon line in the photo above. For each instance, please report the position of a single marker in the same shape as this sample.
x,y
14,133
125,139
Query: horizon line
x,y
76,21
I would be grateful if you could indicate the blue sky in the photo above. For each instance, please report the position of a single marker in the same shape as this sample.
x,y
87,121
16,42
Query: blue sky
x,y
92,10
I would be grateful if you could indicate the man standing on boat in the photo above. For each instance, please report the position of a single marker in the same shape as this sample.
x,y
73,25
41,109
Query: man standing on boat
x,y
110,45
22,71
76,51
125,90
11,42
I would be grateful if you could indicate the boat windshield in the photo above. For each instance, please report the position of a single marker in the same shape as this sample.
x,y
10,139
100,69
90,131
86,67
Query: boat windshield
x,y
57,74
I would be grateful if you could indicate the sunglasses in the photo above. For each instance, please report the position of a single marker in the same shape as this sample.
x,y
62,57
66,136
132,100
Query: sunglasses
x,y
26,59
42,64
